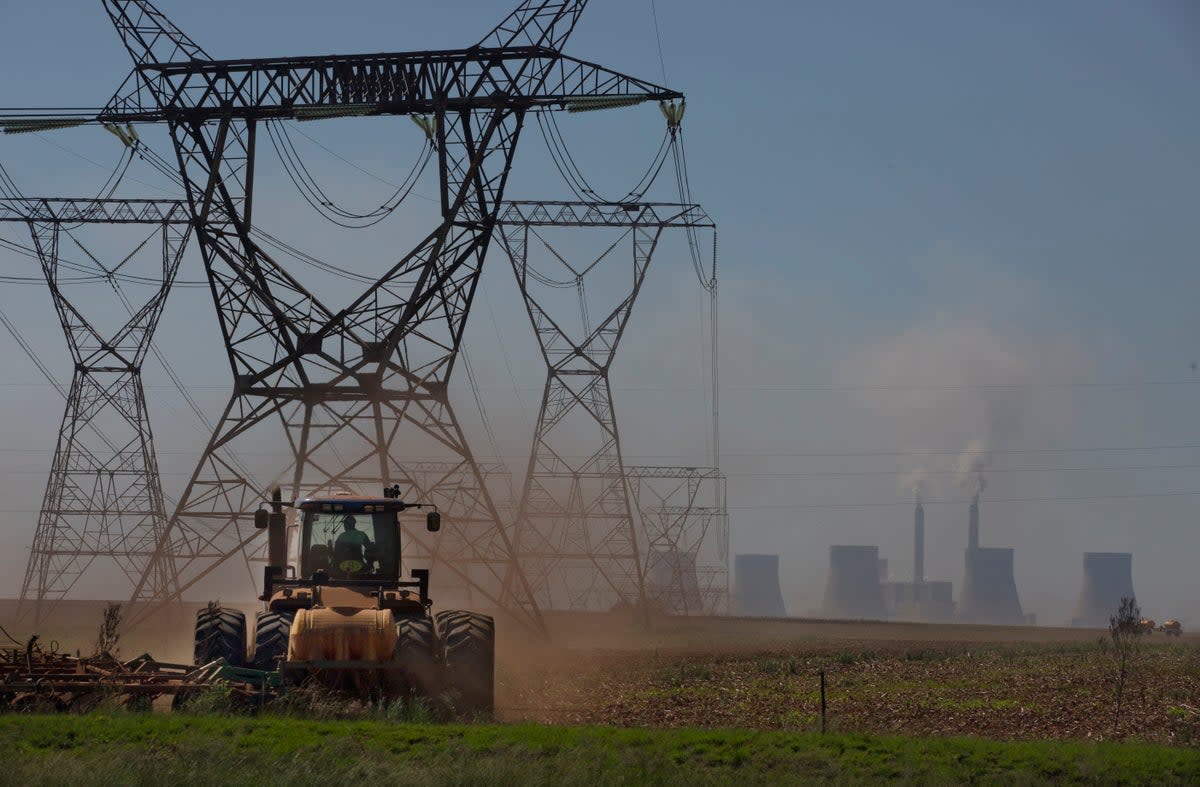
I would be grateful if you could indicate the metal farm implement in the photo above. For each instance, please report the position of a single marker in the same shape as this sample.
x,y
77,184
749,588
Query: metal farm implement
x,y
32,679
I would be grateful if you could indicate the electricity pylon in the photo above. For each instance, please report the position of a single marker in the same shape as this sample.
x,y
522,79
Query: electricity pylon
x,y
576,529
104,496
353,394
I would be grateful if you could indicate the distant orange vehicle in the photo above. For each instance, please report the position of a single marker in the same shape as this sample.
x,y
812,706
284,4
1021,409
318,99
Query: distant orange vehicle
x,y
1146,626
1172,628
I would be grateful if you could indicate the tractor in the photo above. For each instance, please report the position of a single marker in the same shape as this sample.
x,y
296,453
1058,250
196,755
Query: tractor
x,y
341,617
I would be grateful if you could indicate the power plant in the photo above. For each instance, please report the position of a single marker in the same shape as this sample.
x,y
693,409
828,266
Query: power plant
x,y
756,590
919,600
1107,578
854,589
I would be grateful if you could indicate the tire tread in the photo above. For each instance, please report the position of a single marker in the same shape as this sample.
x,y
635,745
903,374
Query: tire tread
x,y
220,634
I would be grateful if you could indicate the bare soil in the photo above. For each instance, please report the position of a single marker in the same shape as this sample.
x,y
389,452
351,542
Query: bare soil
x,y
995,682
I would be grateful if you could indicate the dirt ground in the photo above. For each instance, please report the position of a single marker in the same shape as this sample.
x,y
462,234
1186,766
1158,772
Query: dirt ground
x,y
993,681
930,679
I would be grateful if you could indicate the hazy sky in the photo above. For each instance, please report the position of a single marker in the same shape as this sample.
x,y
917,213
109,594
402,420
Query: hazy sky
x,y
941,224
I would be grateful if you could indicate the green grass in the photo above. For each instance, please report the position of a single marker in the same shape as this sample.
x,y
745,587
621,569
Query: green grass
x,y
180,749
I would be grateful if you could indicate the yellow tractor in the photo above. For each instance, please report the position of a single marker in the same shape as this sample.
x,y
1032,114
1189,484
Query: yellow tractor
x,y
341,616
1172,628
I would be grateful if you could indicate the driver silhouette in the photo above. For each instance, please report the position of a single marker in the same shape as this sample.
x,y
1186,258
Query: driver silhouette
x,y
350,543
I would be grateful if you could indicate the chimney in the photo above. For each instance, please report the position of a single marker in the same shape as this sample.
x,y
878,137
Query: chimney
x,y
973,527
919,543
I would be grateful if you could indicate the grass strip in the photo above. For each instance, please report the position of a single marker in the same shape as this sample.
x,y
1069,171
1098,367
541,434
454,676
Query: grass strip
x,y
181,749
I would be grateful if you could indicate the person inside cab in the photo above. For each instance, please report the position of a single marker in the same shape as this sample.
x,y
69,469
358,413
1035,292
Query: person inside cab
x,y
352,549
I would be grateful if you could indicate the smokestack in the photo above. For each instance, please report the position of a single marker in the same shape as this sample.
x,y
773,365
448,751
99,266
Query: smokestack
x,y
756,586
1107,578
854,589
973,527
989,593
919,543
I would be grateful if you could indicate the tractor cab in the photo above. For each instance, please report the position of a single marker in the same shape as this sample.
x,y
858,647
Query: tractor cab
x,y
350,537
347,540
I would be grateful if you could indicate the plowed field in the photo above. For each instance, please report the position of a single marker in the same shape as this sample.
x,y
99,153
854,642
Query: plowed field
x,y
1019,683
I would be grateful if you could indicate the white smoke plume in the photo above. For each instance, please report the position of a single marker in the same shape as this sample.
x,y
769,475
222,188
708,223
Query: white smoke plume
x,y
916,480
969,469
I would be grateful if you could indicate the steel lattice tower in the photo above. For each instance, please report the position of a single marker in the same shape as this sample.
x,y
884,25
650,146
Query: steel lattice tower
x,y
353,393
577,531
687,539
104,497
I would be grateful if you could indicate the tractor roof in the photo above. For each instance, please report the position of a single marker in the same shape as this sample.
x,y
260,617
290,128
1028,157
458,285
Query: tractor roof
x,y
351,504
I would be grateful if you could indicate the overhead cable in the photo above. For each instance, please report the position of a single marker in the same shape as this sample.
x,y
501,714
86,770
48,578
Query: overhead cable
x,y
312,192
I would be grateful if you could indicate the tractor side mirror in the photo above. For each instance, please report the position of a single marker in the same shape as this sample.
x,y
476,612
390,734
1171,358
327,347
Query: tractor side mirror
x,y
433,521
262,518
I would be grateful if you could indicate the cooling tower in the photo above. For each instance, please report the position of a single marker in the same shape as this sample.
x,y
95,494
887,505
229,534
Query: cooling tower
x,y
919,544
756,586
671,582
1107,578
989,593
854,590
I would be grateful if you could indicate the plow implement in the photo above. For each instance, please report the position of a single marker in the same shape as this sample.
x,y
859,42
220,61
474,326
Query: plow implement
x,y
39,681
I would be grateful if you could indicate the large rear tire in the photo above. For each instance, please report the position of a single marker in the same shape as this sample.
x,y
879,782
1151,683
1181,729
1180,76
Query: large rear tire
x,y
415,656
469,657
271,631
220,634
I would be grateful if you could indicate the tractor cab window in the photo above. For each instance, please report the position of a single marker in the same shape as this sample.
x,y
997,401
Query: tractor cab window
x,y
350,545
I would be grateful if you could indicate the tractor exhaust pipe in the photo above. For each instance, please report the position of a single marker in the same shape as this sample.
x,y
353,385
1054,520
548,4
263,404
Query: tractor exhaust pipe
x,y
275,523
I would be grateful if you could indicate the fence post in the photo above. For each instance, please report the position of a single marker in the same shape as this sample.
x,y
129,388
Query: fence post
x,y
822,674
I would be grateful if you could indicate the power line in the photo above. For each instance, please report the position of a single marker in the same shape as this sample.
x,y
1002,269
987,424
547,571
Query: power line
x,y
51,141
91,272
893,473
990,471
804,388
919,452
316,197
366,172
906,503
662,63
640,457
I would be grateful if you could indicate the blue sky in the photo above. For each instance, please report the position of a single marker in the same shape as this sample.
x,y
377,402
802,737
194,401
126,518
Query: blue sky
x,y
917,203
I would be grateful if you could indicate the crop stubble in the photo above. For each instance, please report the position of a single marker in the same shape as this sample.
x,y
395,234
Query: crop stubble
x,y
954,681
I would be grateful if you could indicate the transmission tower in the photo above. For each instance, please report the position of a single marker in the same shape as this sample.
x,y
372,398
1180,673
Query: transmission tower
x,y
687,537
577,535
353,393
104,497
